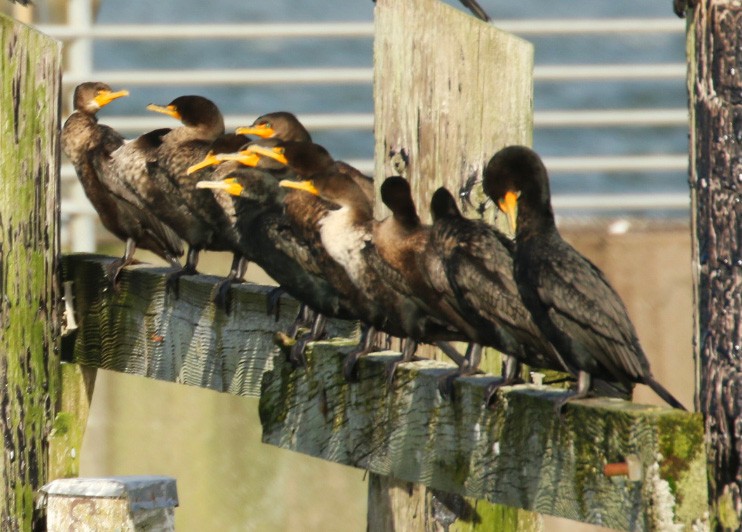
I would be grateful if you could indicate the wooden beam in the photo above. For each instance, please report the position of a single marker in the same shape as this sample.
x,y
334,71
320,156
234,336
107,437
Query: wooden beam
x,y
714,81
141,329
29,245
520,454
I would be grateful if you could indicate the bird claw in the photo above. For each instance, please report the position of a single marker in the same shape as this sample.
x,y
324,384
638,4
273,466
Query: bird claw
x,y
223,296
446,385
296,355
273,302
350,365
172,279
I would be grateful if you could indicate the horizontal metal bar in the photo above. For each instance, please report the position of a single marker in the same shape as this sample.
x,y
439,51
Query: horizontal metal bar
x,y
314,122
617,163
621,202
293,76
610,118
365,121
331,30
555,165
609,72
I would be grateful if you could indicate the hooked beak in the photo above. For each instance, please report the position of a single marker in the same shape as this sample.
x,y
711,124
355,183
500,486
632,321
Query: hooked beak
x,y
509,205
306,186
105,97
245,157
261,130
170,110
209,160
229,185
268,152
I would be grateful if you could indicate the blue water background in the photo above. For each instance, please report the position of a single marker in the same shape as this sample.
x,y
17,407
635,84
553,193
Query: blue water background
x,y
358,98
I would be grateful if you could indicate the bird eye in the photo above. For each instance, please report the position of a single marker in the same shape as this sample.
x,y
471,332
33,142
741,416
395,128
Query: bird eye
x,y
280,151
266,124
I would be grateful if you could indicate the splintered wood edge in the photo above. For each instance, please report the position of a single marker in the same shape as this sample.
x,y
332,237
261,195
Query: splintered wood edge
x,y
520,453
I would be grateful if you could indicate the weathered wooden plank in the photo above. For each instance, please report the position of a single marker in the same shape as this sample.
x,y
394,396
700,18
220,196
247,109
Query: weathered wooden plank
x,y
520,454
29,243
714,81
143,330
128,503
449,91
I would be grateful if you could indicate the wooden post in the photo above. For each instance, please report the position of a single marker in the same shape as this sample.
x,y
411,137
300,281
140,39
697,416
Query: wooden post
x,y
449,91
714,81
29,214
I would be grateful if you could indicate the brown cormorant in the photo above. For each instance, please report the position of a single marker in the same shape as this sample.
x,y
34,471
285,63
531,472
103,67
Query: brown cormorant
x,y
285,126
347,235
89,146
568,296
192,213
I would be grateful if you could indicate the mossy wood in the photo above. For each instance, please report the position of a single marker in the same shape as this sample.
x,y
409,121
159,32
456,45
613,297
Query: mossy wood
x,y
142,329
714,81
29,214
521,454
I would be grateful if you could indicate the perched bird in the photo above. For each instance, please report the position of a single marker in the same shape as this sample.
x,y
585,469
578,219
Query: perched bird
x,y
285,126
280,125
192,213
266,238
470,264
89,146
347,236
569,297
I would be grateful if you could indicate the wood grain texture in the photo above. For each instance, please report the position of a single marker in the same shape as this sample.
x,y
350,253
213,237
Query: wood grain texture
x,y
520,454
29,242
714,81
142,330
449,91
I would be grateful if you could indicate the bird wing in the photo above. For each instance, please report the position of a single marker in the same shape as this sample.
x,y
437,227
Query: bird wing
x,y
582,304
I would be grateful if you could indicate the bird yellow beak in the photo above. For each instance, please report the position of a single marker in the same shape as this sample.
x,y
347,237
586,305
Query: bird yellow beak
x,y
306,186
509,205
275,153
261,130
209,160
229,185
170,110
245,157
105,97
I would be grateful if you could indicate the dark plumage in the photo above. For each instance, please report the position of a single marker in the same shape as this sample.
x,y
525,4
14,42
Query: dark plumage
x,y
348,236
280,125
284,126
90,146
192,213
266,238
470,264
568,297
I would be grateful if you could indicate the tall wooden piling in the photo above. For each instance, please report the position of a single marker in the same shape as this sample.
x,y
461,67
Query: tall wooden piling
x,y
715,89
29,245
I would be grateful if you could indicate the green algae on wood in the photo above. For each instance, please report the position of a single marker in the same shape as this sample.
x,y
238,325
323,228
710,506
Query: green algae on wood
x,y
520,454
29,243
141,329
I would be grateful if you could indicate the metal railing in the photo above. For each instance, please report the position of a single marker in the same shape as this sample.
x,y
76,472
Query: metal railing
x,y
80,34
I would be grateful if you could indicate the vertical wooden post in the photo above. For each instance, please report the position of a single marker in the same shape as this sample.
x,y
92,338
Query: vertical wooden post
x,y
449,91
29,213
714,85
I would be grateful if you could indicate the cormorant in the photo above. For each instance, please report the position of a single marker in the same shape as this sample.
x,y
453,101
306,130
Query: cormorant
x,y
285,126
89,146
347,235
568,296
193,213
